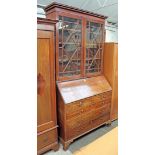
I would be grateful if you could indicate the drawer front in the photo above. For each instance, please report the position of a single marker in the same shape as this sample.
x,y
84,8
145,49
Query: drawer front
x,y
102,97
74,106
107,94
73,114
101,103
100,119
73,109
46,138
71,133
97,98
86,118
100,111
86,105
73,123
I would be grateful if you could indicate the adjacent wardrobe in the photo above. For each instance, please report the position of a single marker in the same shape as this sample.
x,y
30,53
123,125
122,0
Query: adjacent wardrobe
x,y
47,136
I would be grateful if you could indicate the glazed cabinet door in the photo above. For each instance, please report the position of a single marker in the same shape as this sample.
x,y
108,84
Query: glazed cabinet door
x,y
70,51
45,80
94,48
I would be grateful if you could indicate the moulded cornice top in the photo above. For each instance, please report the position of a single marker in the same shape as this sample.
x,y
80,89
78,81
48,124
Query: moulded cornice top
x,y
70,8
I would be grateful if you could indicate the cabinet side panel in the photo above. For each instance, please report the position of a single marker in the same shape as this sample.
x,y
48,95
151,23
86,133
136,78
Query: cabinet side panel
x,y
114,114
108,62
110,71
61,115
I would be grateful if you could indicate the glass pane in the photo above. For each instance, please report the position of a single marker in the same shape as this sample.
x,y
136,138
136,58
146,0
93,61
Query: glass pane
x,y
69,46
94,40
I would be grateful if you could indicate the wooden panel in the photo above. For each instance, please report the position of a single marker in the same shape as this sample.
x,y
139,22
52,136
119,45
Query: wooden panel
x,y
74,106
86,117
61,116
78,89
115,87
97,98
100,112
46,139
106,102
78,131
74,109
45,126
45,27
100,119
108,62
81,124
73,123
44,96
111,73
86,105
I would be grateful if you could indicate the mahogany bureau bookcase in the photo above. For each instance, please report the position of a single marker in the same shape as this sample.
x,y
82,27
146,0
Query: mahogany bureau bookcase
x,y
46,87
83,93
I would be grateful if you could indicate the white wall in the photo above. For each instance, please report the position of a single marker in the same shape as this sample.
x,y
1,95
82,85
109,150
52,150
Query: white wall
x,y
111,34
40,13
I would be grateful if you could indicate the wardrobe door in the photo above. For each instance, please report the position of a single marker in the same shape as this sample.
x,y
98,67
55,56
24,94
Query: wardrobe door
x,y
70,51
45,80
94,48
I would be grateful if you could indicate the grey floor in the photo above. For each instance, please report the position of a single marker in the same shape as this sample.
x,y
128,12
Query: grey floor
x,y
84,140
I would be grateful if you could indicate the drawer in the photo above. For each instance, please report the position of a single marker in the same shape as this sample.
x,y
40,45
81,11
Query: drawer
x,y
100,111
73,114
107,94
100,119
86,105
97,98
86,118
101,103
78,130
73,123
46,138
73,109
101,97
107,101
